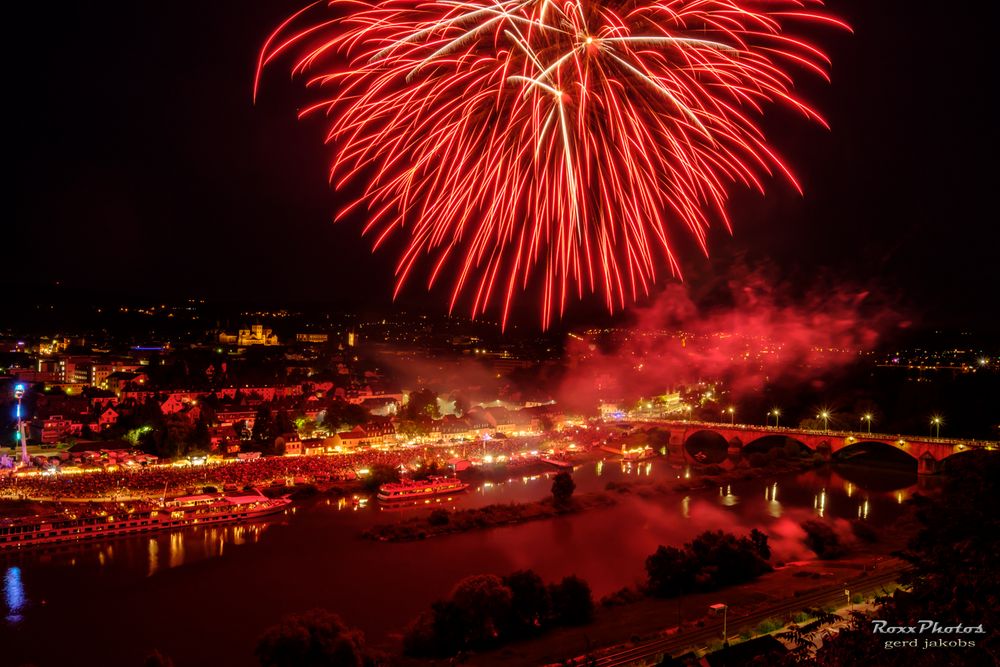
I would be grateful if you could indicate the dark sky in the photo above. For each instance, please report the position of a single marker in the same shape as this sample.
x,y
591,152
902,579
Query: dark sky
x,y
141,166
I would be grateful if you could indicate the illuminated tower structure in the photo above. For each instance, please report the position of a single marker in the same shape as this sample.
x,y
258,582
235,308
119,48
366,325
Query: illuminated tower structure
x,y
18,394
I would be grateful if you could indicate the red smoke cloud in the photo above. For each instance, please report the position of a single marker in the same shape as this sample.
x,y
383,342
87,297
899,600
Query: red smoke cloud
x,y
762,336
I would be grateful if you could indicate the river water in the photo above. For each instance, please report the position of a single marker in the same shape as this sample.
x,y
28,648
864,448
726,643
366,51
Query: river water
x,y
203,595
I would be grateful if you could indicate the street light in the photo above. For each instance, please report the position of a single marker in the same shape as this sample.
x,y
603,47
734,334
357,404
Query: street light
x,y
18,394
936,425
868,418
825,416
732,414
724,608
776,413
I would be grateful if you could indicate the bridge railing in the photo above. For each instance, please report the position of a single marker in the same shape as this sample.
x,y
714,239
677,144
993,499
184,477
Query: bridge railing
x,y
858,435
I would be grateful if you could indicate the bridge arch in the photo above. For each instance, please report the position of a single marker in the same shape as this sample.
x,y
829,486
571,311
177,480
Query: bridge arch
x,y
868,450
878,479
965,458
706,446
792,446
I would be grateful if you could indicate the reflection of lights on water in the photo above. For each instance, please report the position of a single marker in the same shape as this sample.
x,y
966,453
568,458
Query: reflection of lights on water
x,y
154,556
819,503
14,594
900,497
686,507
176,549
600,467
728,499
850,489
771,496
687,472
649,469
863,510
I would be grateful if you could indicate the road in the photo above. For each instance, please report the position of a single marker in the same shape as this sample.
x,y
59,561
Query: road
x,y
678,643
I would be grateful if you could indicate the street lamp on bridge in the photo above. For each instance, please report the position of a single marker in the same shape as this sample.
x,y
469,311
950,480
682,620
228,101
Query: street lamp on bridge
x,y
867,418
936,425
732,414
825,416
776,413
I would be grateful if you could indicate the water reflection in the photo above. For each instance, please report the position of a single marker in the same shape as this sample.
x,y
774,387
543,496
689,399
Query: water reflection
x,y
13,595
819,503
876,479
771,496
607,547
728,498
154,557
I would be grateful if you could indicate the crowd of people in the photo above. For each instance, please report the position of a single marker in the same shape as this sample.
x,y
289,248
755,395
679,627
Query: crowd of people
x,y
157,480
123,482
153,481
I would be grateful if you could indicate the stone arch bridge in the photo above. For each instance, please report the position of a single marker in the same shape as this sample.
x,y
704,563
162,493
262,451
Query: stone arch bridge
x,y
928,452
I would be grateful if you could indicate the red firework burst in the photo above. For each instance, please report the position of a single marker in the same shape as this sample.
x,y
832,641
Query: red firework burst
x,y
563,139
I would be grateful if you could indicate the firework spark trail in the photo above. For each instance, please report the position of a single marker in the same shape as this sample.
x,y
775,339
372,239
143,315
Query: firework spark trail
x,y
566,138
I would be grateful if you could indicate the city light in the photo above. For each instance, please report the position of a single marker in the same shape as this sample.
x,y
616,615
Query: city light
x,y
936,422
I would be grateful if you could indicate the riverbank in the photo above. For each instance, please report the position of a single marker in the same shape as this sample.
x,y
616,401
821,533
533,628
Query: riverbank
x,y
442,522
779,595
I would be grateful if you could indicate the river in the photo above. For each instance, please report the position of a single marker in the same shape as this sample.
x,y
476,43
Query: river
x,y
203,595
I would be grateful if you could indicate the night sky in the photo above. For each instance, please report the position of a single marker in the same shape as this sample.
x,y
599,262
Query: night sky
x,y
142,167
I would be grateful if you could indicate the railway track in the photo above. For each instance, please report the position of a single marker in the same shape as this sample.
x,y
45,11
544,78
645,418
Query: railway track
x,y
681,641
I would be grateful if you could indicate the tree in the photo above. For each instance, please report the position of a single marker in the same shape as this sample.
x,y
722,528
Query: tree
x,y
711,560
759,541
381,474
283,423
202,438
422,403
316,638
531,603
563,487
263,428
483,604
572,602
822,539
340,415
670,572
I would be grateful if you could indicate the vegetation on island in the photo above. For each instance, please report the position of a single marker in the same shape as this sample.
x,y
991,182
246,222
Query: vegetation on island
x,y
316,638
485,611
712,560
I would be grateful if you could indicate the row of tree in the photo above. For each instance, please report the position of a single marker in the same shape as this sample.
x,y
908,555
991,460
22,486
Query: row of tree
x,y
485,611
712,560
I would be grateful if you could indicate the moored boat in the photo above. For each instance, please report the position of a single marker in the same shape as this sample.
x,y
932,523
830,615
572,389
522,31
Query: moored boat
x,y
176,513
410,489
